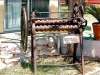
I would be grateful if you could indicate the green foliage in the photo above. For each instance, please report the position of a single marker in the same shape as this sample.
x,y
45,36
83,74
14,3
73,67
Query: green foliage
x,y
94,11
88,28
64,8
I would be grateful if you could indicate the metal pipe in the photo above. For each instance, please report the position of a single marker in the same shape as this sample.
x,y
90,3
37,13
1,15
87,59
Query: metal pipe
x,y
61,65
10,41
31,5
50,55
48,18
54,12
59,8
28,9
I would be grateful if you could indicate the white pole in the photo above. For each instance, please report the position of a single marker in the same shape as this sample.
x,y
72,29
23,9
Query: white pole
x,y
59,8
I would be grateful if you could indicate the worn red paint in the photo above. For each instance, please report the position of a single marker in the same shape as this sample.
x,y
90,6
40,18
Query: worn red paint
x,y
62,1
92,1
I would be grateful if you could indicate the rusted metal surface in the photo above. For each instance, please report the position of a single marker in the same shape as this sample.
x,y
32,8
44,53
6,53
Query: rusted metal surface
x,y
75,25
24,29
58,65
81,49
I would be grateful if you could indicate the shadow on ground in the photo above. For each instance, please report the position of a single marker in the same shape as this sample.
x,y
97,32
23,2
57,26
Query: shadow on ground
x,y
25,65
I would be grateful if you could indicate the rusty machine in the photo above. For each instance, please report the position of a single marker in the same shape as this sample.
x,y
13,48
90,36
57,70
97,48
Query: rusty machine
x,y
37,24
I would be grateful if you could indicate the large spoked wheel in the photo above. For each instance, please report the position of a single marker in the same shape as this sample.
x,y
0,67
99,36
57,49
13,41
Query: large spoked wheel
x,y
24,29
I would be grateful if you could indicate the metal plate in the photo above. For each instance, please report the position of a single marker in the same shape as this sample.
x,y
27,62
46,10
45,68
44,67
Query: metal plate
x,y
71,39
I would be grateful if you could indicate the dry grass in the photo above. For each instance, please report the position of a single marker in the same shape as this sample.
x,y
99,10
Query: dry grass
x,y
28,69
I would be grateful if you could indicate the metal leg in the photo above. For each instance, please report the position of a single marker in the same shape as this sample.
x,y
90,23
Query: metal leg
x,y
34,49
59,46
33,45
82,54
33,53
32,57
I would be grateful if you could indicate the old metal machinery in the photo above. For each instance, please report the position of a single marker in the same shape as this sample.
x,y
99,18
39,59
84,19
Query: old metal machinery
x,y
75,24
